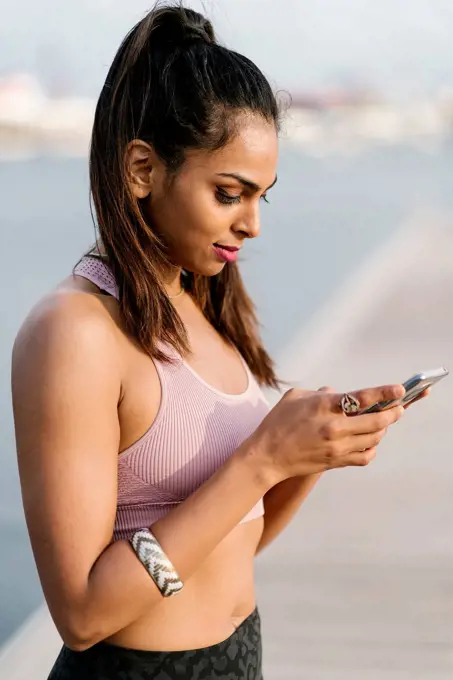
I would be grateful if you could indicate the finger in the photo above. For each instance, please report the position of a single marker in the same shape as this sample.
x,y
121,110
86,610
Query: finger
x,y
362,442
369,423
372,395
424,394
360,459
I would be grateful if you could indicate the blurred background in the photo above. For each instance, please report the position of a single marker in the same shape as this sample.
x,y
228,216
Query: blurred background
x,y
352,278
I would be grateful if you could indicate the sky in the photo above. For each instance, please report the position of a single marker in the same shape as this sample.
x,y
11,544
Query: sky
x,y
402,47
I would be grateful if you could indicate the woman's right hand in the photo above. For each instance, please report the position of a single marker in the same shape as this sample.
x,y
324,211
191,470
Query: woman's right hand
x,y
307,432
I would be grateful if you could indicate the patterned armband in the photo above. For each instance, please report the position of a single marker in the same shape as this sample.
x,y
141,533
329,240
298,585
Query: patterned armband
x,y
151,555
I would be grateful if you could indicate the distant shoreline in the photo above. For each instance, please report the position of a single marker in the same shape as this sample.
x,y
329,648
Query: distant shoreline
x,y
346,130
23,142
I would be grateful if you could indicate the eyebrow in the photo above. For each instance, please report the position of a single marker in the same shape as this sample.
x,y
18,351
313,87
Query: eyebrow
x,y
246,182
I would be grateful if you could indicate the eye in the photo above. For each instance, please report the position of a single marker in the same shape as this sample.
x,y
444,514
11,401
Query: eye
x,y
226,199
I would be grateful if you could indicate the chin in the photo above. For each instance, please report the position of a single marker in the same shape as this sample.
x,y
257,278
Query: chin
x,y
205,269
215,269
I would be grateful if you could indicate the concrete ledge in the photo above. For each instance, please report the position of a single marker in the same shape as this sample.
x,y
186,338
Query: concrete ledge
x,y
31,652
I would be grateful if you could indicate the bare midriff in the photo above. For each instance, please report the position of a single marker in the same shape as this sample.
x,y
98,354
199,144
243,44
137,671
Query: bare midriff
x,y
212,604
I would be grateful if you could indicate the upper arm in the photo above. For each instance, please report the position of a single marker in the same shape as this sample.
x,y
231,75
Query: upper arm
x,y
66,386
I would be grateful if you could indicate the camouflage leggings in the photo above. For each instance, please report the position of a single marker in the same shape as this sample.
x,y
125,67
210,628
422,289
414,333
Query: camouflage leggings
x,y
237,658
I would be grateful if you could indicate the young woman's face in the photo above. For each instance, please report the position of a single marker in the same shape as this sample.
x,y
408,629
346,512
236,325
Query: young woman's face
x,y
207,211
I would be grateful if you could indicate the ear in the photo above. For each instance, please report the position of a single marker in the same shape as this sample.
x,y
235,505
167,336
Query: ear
x,y
140,164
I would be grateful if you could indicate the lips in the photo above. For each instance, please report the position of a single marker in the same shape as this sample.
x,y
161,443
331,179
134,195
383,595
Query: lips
x,y
226,253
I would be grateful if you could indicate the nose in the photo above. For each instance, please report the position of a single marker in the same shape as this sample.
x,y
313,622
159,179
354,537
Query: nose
x,y
249,225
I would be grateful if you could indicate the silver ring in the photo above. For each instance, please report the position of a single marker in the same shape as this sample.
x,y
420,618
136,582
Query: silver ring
x,y
349,404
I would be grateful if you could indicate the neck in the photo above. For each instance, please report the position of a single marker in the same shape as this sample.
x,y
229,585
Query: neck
x,y
173,284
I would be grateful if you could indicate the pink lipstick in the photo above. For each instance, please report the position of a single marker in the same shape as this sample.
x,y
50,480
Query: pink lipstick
x,y
226,253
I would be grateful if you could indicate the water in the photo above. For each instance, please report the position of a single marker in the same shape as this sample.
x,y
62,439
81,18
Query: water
x,y
324,217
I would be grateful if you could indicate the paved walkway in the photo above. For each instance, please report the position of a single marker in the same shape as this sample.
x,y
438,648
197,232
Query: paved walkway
x,y
367,591
360,587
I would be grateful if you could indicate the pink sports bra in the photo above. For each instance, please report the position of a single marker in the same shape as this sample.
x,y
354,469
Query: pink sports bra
x,y
196,430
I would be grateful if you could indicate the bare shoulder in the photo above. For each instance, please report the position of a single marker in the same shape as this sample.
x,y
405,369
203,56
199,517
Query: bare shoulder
x,y
66,325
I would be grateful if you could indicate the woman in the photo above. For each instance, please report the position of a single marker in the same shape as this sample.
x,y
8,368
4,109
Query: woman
x,y
152,470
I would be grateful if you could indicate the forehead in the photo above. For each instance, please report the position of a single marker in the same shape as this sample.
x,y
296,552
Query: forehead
x,y
252,152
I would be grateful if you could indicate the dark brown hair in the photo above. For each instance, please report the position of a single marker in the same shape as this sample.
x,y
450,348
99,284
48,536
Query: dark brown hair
x,y
172,85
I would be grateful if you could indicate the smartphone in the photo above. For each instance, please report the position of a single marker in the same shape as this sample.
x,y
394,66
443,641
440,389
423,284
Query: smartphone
x,y
414,387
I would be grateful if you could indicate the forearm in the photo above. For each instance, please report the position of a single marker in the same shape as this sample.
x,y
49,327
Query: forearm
x,y
281,504
120,590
